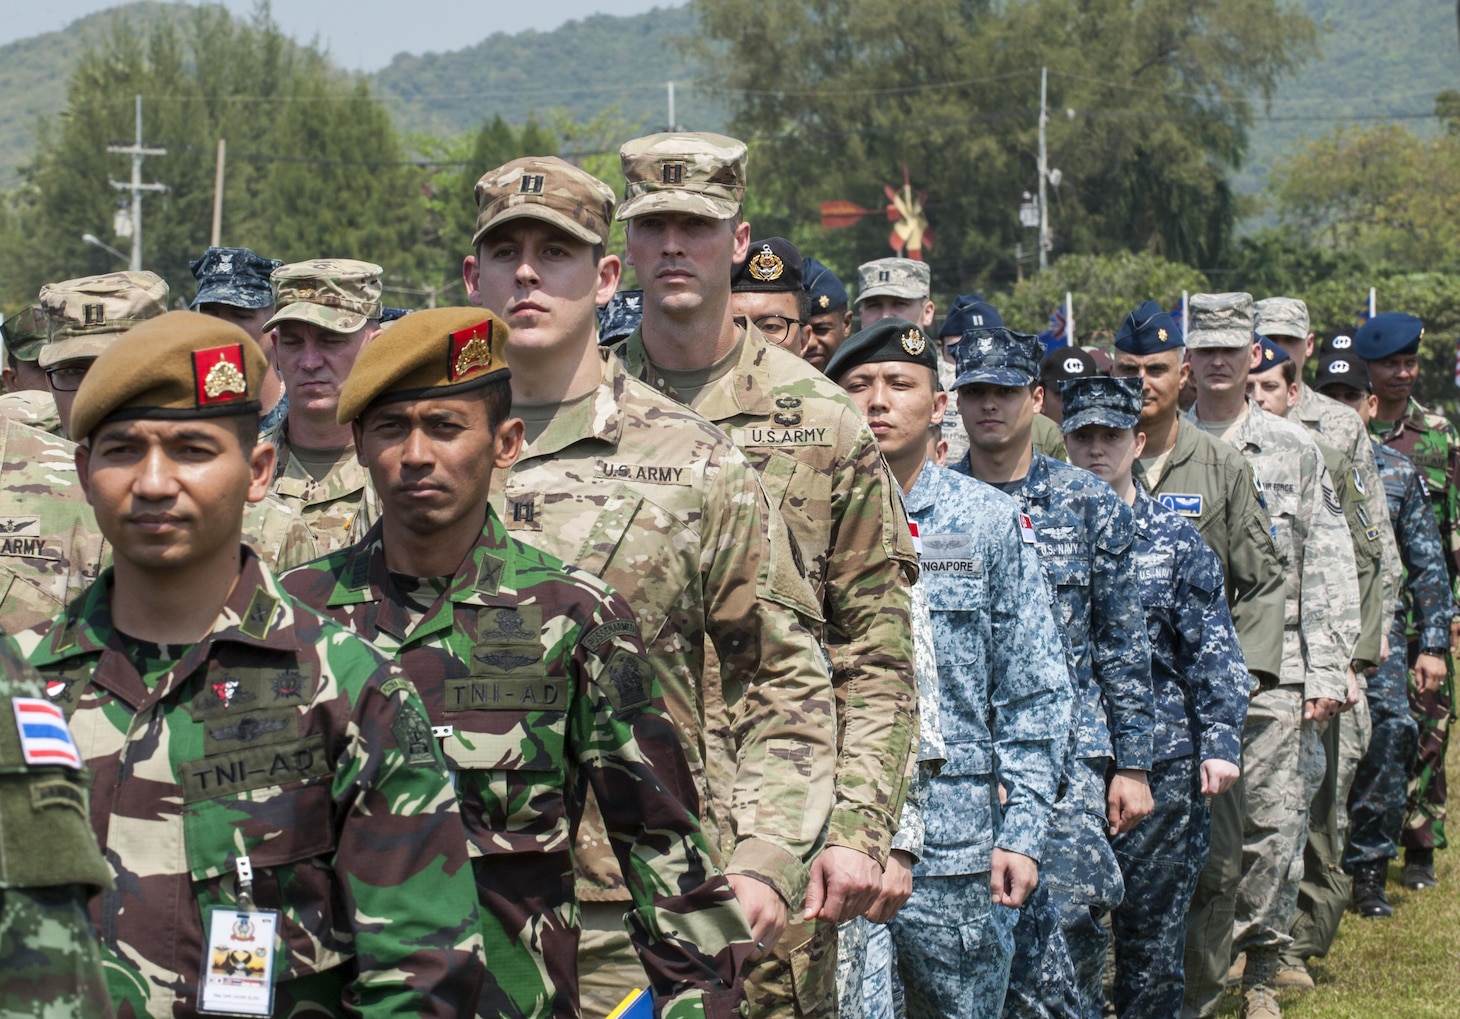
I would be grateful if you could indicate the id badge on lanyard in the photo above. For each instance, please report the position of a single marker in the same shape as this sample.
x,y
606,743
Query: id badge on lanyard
x,y
238,959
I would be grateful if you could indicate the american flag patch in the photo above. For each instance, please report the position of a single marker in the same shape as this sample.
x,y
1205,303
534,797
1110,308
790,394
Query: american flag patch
x,y
44,738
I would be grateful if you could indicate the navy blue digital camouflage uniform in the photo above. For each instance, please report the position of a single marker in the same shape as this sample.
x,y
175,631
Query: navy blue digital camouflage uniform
x,y
1377,799
1201,686
1084,534
1005,719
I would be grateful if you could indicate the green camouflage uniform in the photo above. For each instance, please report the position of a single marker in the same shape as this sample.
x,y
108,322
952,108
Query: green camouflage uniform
x,y
282,738
49,866
33,408
821,466
1432,445
657,501
338,508
534,679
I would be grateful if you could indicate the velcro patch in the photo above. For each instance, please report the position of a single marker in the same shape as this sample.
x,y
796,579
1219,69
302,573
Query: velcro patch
x,y
509,693
653,474
44,737
1186,504
602,634
59,793
249,768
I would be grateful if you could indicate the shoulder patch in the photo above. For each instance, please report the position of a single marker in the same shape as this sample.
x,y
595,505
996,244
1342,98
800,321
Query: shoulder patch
x,y
627,680
397,683
1330,500
413,736
44,737
605,632
1185,503
1359,482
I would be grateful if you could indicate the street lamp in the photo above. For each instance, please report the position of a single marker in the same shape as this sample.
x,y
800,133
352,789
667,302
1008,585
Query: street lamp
x,y
96,241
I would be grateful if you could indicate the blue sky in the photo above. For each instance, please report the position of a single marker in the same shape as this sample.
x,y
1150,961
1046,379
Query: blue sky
x,y
364,34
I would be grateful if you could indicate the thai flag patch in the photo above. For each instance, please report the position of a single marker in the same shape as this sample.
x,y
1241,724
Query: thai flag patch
x,y
44,738
917,541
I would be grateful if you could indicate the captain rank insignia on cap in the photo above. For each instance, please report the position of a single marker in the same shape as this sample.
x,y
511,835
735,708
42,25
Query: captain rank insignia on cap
x,y
913,342
471,350
219,374
766,265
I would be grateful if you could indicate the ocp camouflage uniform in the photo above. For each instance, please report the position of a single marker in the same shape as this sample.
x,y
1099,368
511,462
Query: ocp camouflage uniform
x,y
630,485
1376,803
1201,685
33,408
1005,720
821,466
49,866
534,679
1281,752
338,508
1084,535
281,738
1432,445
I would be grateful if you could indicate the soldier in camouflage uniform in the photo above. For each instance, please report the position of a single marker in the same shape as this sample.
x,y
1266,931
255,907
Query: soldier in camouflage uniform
x,y
830,320
1376,803
534,678
325,311
233,284
49,861
1389,344
1004,690
631,485
820,466
1084,535
251,758
1201,703
1281,746
27,398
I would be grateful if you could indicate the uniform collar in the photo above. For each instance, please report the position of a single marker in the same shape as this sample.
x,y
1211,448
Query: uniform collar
x,y
599,418
744,389
925,489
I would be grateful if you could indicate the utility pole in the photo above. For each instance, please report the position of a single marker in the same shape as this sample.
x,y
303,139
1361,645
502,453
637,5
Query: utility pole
x,y
137,152
673,126
1043,170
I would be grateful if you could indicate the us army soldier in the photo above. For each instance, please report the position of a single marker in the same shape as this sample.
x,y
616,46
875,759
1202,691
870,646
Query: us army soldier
x,y
27,398
257,769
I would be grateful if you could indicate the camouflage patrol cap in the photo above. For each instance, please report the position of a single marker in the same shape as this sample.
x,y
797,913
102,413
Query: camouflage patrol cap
x,y
545,188
1100,400
894,277
181,364
85,315
620,316
1216,321
25,333
997,357
338,294
1282,316
233,276
428,354
683,172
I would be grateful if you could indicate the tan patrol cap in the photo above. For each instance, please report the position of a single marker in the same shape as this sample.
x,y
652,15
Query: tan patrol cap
x,y
894,277
338,294
1282,316
545,188
181,364
1217,321
683,172
25,333
86,314
427,354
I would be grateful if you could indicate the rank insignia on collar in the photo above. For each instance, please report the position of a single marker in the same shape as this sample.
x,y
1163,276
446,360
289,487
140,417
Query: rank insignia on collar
x,y
218,374
471,350
913,342
766,265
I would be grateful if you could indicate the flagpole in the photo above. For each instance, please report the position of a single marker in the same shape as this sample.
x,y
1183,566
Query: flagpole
x,y
1069,320
1373,307
1185,314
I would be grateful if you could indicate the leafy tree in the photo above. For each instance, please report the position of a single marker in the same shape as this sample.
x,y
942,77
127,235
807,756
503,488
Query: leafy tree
x,y
1103,288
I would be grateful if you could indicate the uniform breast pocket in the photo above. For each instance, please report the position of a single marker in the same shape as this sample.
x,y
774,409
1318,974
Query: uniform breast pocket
x,y
1283,509
510,773
1157,573
958,599
1070,578
803,495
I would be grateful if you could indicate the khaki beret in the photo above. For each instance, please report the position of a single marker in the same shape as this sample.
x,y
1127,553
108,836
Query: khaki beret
x,y
548,189
181,364
427,354
86,314
338,294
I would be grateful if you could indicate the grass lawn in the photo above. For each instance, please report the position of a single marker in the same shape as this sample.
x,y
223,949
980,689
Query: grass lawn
x,y
1405,967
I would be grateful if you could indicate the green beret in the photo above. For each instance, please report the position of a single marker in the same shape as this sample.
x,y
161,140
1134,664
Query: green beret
x,y
888,339
181,364
427,354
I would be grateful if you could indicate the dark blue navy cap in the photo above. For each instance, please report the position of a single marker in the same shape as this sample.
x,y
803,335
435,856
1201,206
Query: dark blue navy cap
x,y
969,311
887,339
771,266
234,276
620,316
998,357
1342,368
1101,400
827,292
1272,354
1148,330
1390,333
389,315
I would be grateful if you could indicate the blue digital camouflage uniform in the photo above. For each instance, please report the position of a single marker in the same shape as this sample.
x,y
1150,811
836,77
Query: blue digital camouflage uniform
x,y
1005,703
1377,799
1084,534
1201,703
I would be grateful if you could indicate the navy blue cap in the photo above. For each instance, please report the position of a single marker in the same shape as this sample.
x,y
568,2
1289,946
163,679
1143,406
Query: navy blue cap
x,y
827,292
1101,400
1148,330
1272,354
389,315
233,276
969,311
887,339
998,357
771,266
1342,368
1390,333
620,316
1064,363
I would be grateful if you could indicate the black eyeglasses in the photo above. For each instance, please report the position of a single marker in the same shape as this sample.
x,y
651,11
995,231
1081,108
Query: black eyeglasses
x,y
776,327
67,378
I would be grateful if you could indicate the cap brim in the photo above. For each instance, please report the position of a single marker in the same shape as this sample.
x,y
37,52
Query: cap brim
x,y
542,213
694,203
890,290
75,347
235,297
1106,417
1218,339
336,320
994,377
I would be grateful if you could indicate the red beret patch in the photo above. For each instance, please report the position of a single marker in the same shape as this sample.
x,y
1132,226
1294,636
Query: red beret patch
x,y
471,351
219,376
